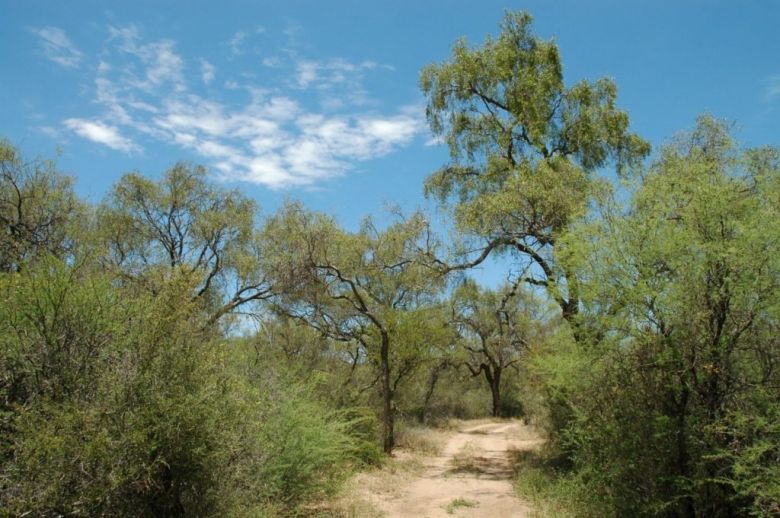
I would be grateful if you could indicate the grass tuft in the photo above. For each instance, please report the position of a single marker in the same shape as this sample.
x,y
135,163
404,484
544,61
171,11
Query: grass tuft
x,y
458,503
551,492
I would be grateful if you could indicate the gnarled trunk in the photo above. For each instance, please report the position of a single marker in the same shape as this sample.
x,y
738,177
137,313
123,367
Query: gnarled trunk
x,y
494,381
387,395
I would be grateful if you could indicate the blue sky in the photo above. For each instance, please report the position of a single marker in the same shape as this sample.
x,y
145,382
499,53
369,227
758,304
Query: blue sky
x,y
319,100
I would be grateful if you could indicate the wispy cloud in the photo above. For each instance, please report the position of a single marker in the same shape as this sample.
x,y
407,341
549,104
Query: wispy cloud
x,y
56,46
274,139
275,142
772,89
338,82
50,131
235,42
101,133
332,72
161,64
207,71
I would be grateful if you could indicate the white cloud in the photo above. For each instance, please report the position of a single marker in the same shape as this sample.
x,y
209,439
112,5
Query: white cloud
x,y
338,82
272,139
235,42
101,133
57,47
160,63
275,142
328,73
207,71
308,72
772,89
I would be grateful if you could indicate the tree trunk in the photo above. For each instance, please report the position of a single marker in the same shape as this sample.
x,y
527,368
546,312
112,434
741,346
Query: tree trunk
x,y
432,380
387,394
495,391
687,507
494,382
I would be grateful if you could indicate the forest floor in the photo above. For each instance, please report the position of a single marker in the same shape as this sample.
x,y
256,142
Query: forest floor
x,y
471,475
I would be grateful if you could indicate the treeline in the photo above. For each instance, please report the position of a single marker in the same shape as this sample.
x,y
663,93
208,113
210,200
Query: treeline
x,y
135,379
638,324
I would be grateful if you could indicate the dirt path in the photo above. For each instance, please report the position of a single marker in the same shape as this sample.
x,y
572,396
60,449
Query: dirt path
x,y
471,477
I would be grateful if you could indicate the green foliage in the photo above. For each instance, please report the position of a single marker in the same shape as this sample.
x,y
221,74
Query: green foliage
x,y
753,450
38,209
122,394
553,492
120,404
680,292
184,224
505,103
458,503
115,403
367,288
524,148
557,372
460,396
309,449
495,330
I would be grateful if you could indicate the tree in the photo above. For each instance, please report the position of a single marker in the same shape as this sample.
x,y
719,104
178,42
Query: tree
x,y
116,396
354,287
525,149
37,209
182,223
495,328
677,408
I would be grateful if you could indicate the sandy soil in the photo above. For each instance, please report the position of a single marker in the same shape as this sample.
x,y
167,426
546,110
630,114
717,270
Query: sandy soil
x,y
472,477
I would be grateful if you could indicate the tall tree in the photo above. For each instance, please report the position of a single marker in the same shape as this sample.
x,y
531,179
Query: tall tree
x,y
524,150
183,223
359,287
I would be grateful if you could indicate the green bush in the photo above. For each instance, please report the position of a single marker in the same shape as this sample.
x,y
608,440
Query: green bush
x,y
667,404
309,449
115,403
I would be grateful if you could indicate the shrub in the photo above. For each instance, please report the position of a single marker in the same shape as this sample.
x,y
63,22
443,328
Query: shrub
x,y
309,449
117,402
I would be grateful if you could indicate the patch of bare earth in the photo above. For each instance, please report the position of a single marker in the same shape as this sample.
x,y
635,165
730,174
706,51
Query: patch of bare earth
x,y
471,476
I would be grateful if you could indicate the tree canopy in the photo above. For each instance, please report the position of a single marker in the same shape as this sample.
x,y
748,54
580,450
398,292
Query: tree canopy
x,y
184,223
525,149
358,287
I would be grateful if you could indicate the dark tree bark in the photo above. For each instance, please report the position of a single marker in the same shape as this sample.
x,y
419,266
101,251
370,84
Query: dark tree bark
x,y
433,379
387,395
494,380
493,376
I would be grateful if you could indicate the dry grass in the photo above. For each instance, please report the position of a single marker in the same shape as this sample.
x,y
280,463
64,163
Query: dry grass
x,y
527,434
459,425
470,459
422,441
351,505
358,498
